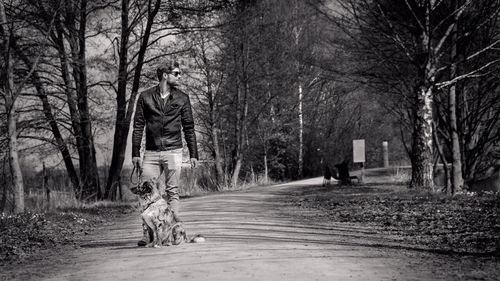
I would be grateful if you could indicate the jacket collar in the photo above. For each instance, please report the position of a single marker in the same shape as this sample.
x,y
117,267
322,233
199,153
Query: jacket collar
x,y
173,92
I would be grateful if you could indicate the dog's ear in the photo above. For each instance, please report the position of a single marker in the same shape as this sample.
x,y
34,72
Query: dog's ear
x,y
134,189
147,186
151,185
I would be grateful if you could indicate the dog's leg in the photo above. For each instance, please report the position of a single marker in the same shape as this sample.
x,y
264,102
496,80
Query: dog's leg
x,y
151,229
179,234
157,240
147,233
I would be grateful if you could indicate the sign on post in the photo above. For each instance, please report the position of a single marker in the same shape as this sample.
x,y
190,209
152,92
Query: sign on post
x,y
358,156
358,151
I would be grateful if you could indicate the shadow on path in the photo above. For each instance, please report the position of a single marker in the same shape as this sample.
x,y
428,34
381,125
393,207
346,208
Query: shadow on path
x,y
253,235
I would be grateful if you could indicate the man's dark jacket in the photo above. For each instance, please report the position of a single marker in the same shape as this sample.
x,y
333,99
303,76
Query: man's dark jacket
x,y
163,120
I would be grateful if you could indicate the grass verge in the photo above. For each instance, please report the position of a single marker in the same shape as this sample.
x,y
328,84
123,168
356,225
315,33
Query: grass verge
x,y
466,224
24,235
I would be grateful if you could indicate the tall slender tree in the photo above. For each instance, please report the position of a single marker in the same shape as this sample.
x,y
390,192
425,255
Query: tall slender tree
x,y
125,109
10,95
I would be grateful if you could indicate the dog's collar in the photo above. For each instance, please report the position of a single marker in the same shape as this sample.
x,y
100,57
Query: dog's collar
x,y
153,200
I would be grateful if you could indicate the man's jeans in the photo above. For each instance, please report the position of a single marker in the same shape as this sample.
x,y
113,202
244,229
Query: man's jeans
x,y
165,167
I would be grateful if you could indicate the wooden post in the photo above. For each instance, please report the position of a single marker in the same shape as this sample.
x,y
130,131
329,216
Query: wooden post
x,y
385,148
46,186
3,203
120,195
362,177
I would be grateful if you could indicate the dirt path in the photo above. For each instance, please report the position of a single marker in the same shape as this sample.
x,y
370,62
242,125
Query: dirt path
x,y
253,235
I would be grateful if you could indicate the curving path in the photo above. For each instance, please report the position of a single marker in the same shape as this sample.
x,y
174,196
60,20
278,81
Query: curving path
x,y
251,235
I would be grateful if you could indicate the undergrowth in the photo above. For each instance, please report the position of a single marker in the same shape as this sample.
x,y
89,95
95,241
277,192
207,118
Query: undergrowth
x,y
464,223
25,234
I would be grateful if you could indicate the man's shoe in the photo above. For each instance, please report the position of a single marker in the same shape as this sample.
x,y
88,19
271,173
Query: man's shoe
x,y
142,243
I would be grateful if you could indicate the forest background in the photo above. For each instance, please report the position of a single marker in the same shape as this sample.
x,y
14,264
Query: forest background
x,y
279,88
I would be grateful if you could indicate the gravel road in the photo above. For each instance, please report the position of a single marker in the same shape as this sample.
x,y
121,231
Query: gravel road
x,y
251,235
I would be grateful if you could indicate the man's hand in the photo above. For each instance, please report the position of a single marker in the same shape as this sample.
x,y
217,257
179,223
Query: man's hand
x,y
194,162
136,161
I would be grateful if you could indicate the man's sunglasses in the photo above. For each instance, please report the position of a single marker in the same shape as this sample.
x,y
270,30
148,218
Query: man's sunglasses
x,y
176,73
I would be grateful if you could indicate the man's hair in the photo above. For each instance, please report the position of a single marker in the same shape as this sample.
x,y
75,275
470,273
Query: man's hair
x,y
166,69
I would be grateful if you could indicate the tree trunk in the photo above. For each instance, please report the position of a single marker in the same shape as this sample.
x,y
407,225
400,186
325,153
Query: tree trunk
x,y
237,157
457,181
441,157
422,164
47,111
69,61
266,169
214,130
93,173
71,96
422,154
11,110
239,135
61,144
124,110
241,112
297,34
88,169
4,184
71,83
213,112
236,172
240,143
15,167
301,134
121,125
217,156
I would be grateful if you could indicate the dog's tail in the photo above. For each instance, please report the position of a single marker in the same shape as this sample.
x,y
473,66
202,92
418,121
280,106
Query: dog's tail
x,y
196,239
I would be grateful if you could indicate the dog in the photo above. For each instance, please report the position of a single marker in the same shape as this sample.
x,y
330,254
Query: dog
x,y
163,226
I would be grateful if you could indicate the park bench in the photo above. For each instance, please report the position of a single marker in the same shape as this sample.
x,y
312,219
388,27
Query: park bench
x,y
341,173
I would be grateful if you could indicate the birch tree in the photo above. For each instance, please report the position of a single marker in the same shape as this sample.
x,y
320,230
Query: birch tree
x,y
39,20
301,19
10,95
457,180
420,34
12,30
473,60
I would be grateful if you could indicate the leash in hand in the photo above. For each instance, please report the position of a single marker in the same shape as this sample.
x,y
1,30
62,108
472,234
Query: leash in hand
x,y
138,174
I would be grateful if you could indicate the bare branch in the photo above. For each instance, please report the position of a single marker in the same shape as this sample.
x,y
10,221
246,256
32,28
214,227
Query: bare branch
x,y
471,74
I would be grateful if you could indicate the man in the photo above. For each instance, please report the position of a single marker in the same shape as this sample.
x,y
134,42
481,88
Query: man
x,y
164,110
